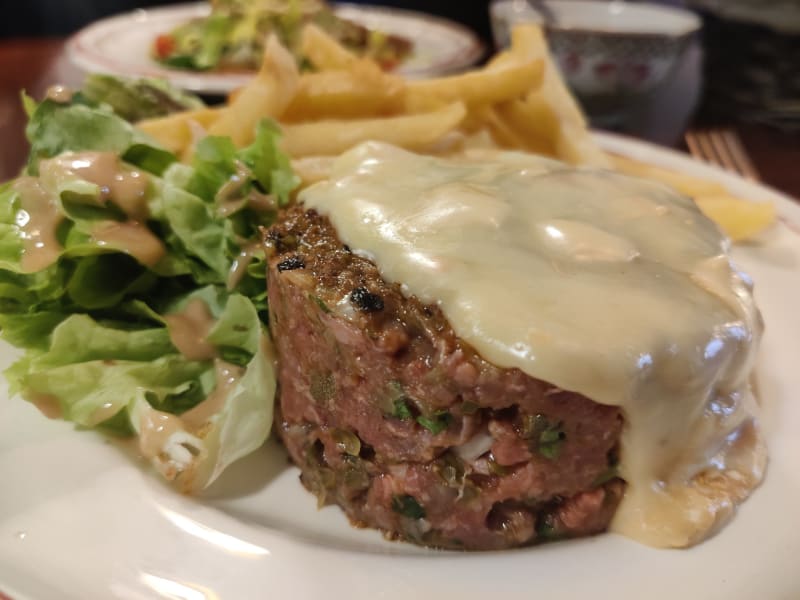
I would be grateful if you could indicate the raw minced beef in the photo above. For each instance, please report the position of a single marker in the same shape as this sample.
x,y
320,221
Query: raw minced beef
x,y
391,416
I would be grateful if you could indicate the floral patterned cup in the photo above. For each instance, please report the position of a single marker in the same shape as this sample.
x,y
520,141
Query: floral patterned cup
x,y
612,54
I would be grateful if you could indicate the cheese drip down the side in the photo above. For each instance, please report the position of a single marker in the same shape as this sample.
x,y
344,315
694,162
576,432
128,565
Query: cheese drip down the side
x,y
613,287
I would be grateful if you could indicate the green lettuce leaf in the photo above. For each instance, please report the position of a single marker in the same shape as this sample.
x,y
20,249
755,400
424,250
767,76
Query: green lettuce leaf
x,y
92,324
147,157
214,163
101,374
136,99
267,167
212,41
269,164
56,128
199,231
30,330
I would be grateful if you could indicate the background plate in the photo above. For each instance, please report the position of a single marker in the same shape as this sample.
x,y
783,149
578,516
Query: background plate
x,y
80,518
121,44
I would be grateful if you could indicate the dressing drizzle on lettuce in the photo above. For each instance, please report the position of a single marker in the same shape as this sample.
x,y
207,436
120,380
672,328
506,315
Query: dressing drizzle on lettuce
x,y
109,250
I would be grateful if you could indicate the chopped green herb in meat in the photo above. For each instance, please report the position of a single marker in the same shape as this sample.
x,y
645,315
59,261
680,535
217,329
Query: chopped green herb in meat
x,y
437,422
408,507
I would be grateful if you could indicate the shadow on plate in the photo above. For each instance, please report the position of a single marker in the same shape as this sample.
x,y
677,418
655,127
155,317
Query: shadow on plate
x,y
246,477
251,474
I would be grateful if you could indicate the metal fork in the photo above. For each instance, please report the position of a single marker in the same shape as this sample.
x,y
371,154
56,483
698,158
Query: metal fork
x,y
724,148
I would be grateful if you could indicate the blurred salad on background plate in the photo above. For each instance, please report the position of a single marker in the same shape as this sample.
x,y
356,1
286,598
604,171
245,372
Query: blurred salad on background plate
x,y
233,35
215,49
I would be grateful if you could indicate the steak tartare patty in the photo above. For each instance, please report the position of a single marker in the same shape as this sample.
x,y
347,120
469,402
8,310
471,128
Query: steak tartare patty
x,y
391,416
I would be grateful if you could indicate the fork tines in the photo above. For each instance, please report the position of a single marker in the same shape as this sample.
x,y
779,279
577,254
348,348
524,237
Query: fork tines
x,y
721,147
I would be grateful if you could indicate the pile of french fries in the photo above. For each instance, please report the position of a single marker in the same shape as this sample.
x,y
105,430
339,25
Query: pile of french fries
x,y
517,101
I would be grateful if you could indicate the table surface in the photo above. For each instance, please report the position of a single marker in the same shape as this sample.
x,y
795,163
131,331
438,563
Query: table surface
x,y
35,64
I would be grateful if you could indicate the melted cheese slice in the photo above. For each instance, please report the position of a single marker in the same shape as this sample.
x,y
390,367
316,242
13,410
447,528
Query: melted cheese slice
x,y
609,286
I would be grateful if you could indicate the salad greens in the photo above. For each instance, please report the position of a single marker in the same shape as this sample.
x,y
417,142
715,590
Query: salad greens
x,y
93,321
234,34
137,99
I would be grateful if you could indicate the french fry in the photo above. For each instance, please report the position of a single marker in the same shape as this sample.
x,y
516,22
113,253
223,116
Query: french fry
x,y
323,51
739,219
518,101
504,135
575,146
502,59
482,87
532,122
476,119
554,118
267,95
528,43
175,132
312,169
414,132
479,141
686,184
358,92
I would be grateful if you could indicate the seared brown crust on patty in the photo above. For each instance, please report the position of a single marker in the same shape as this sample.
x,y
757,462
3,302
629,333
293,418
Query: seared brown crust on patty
x,y
393,417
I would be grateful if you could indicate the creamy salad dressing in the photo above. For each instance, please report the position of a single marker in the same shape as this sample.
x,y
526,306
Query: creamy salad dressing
x,y
240,264
159,431
126,187
155,430
38,219
231,196
59,93
102,413
227,376
131,237
47,404
609,286
41,212
189,328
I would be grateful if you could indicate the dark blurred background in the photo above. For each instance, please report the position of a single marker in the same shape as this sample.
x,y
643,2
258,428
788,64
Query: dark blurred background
x,y
61,17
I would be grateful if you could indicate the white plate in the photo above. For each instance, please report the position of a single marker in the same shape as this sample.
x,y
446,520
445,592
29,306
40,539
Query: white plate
x,y
121,44
80,518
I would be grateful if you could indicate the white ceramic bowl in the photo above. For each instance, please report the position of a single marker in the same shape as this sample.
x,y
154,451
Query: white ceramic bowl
x,y
612,53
